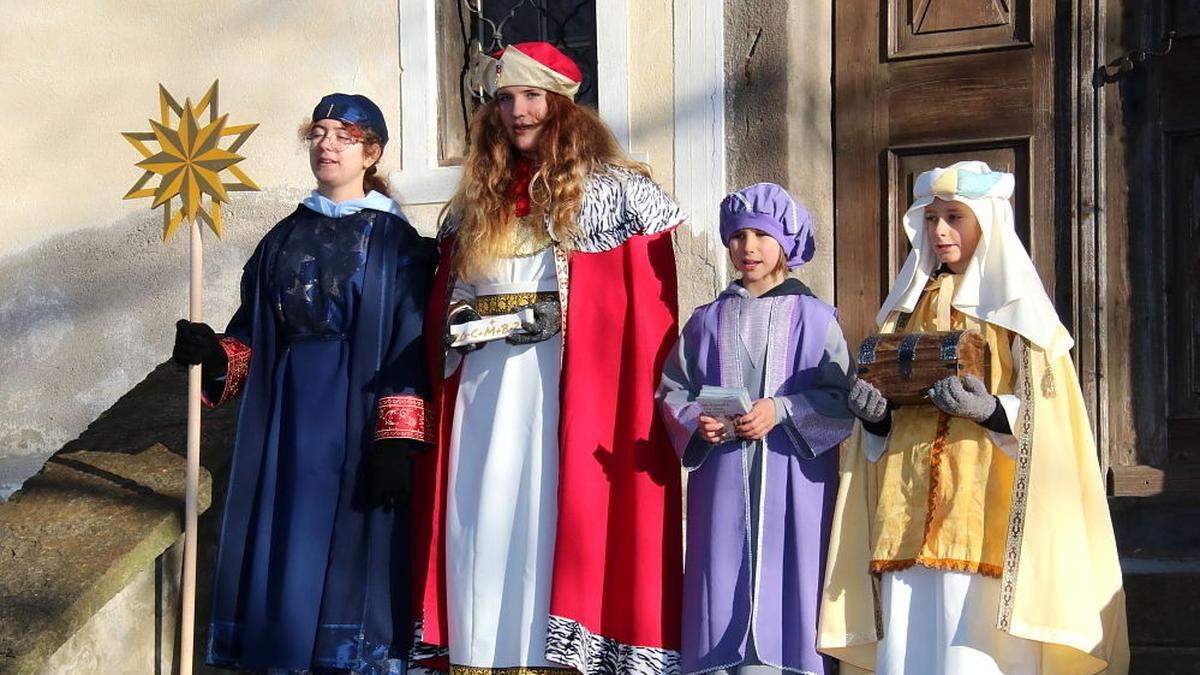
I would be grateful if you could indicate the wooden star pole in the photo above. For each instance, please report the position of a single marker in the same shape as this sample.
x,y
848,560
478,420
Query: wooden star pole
x,y
190,162
191,519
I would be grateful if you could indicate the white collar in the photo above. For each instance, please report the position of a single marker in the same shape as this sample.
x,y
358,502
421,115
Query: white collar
x,y
737,290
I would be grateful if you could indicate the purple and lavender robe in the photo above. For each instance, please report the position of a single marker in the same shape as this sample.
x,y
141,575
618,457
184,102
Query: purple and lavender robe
x,y
758,513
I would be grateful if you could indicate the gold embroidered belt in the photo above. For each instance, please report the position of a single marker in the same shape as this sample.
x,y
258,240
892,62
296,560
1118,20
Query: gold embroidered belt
x,y
507,303
512,670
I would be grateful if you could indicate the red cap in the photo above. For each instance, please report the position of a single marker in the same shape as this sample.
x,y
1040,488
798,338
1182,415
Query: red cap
x,y
548,55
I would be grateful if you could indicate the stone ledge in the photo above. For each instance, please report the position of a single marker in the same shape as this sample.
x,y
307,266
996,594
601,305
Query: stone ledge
x,y
75,535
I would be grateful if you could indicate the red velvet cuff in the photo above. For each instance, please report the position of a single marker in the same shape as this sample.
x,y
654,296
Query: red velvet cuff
x,y
238,355
404,416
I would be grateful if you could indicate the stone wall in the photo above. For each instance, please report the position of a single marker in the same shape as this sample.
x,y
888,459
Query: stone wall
x,y
142,619
91,565
89,580
779,111
90,292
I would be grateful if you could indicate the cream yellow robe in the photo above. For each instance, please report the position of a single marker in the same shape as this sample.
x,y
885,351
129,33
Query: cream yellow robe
x,y
1060,577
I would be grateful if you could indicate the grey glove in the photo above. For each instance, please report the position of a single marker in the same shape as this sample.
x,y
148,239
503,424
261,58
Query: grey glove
x,y
547,321
464,315
965,397
866,402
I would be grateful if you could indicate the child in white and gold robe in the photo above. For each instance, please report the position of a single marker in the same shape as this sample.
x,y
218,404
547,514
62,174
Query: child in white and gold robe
x,y
972,535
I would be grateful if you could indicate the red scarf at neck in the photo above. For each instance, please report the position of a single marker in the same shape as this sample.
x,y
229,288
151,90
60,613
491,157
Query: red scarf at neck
x,y
519,190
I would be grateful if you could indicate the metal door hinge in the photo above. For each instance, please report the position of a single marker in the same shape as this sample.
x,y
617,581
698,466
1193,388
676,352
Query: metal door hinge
x,y
1120,67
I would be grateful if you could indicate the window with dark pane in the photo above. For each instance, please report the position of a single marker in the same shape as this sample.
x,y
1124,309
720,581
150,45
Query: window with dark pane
x,y
466,26
569,25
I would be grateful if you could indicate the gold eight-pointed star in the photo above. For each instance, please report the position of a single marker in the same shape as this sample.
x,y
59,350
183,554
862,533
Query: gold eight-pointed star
x,y
190,161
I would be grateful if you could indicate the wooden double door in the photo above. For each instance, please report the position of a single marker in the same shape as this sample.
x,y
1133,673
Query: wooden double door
x,y
926,83
1107,185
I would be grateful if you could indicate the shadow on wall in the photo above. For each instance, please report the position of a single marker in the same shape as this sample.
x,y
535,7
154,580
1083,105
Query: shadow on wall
x,y
85,316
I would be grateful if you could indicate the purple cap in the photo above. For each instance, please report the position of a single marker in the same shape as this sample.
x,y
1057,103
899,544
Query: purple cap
x,y
768,208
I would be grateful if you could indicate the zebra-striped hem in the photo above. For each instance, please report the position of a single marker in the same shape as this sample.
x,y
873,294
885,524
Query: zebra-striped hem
x,y
568,642
422,652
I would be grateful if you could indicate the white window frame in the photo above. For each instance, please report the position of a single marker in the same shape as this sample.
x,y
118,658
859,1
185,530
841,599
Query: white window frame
x,y
421,180
699,102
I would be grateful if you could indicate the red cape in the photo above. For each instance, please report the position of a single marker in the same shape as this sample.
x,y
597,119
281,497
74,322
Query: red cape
x,y
618,554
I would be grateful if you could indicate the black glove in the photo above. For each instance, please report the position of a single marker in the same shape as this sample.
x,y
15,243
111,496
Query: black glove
x,y
196,343
461,316
390,471
547,321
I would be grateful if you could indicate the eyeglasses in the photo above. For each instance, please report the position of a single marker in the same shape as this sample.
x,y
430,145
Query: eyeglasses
x,y
337,142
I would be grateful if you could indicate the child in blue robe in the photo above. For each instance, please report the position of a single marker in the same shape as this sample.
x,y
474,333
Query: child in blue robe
x,y
326,353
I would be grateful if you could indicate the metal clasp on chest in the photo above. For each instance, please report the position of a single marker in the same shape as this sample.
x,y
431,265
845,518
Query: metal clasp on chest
x,y
907,354
948,349
866,351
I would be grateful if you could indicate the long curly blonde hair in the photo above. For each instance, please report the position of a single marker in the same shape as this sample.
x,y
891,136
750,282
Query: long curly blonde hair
x,y
573,143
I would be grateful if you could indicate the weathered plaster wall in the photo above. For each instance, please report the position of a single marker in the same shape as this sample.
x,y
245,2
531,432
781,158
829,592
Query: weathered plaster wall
x,y
90,292
779,103
652,108
87,314
810,129
74,75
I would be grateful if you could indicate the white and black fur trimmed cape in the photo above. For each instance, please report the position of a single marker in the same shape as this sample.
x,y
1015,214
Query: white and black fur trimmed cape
x,y
617,204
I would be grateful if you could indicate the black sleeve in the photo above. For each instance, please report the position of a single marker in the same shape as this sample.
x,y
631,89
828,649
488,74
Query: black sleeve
x,y
998,421
222,386
404,370
881,428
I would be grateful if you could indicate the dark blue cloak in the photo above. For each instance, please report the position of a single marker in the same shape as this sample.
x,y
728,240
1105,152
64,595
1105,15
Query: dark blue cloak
x,y
309,576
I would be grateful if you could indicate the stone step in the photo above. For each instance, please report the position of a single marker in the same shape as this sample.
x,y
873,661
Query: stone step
x,y
1164,661
1162,608
1160,528
77,533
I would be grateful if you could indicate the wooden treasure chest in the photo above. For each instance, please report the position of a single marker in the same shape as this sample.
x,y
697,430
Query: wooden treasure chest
x,y
904,366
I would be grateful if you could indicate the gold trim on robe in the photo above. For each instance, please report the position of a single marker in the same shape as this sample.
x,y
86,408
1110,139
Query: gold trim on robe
x,y
514,670
507,303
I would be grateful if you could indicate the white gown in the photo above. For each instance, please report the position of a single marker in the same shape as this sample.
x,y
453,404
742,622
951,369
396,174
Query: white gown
x,y
503,480
944,623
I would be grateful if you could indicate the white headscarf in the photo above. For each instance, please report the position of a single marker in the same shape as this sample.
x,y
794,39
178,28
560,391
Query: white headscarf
x,y
1000,285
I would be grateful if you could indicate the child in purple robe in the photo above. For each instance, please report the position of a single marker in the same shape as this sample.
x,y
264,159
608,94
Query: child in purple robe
x,y
759,506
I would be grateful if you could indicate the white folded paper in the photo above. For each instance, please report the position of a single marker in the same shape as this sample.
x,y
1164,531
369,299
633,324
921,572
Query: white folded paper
x,y
489,328
725,404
